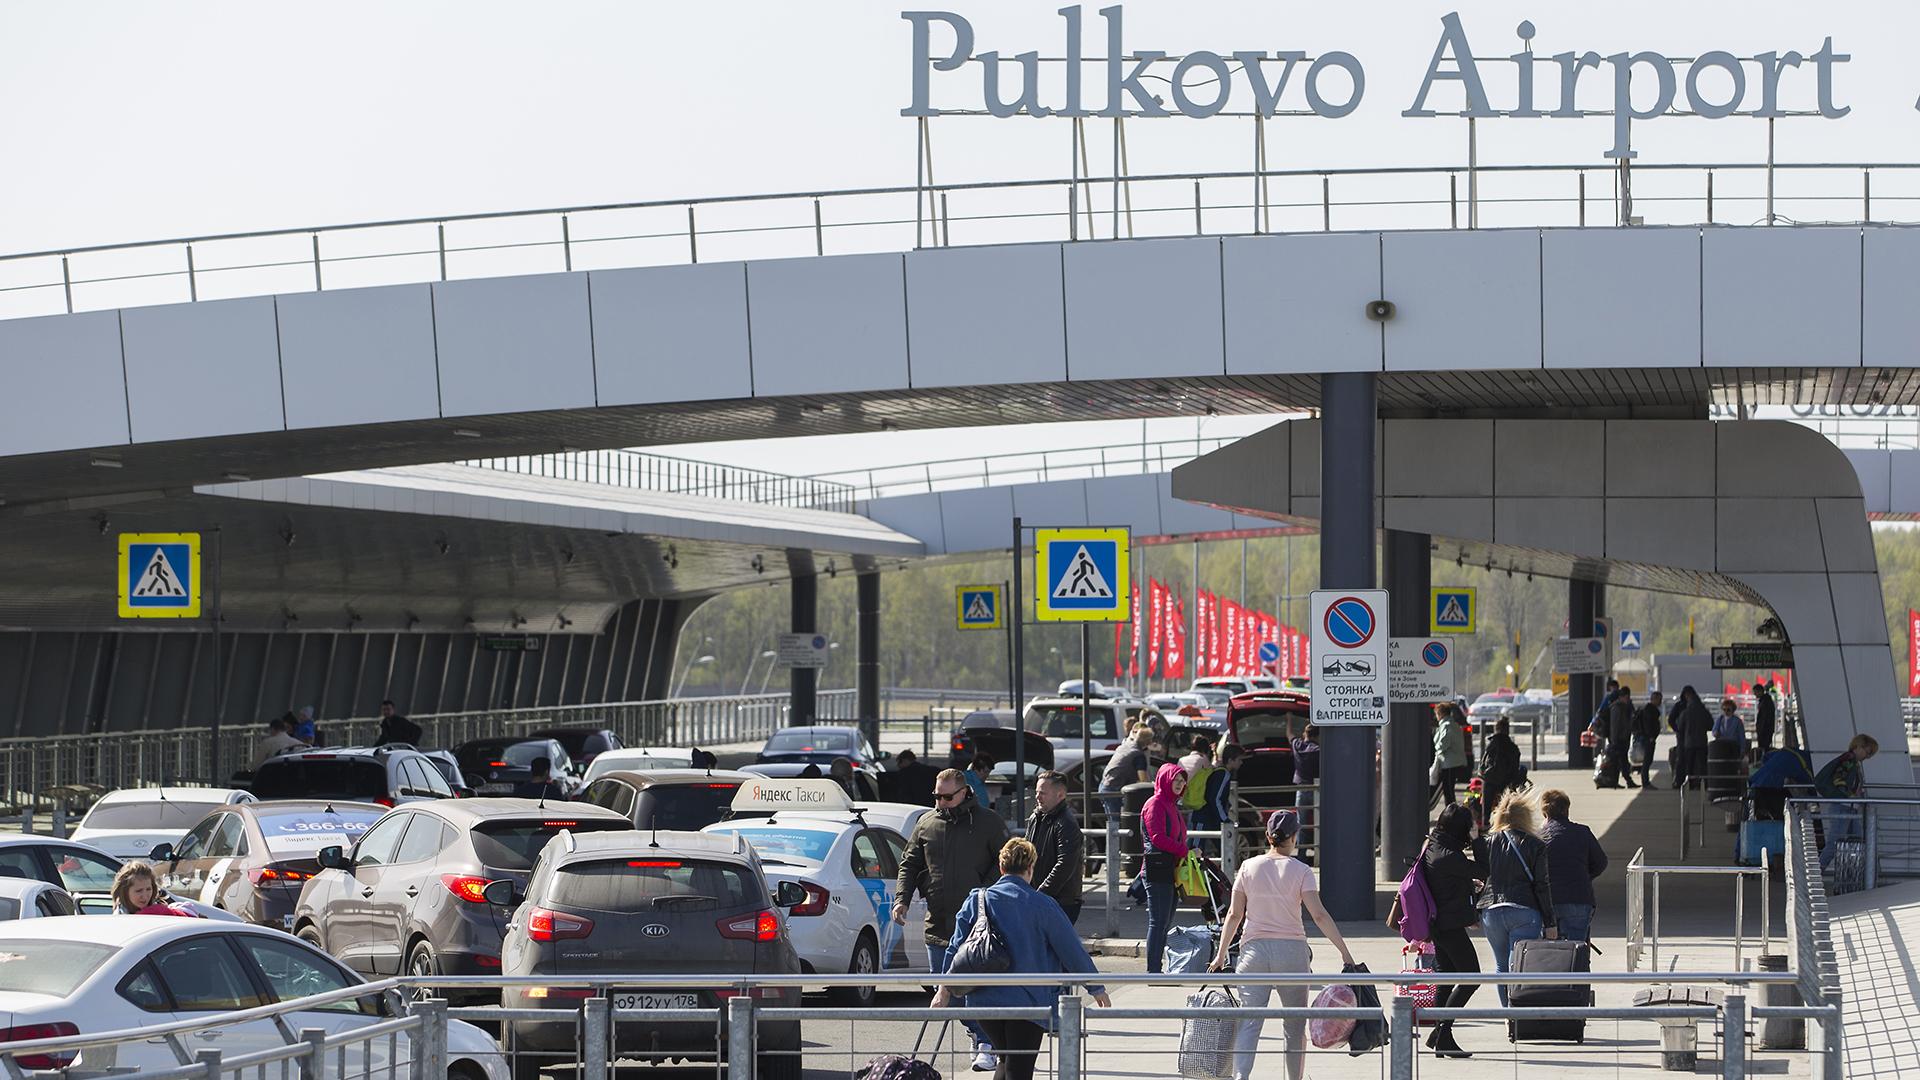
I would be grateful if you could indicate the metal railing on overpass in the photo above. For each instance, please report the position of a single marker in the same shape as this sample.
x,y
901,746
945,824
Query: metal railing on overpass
x,y
48,771
678,476
674,231
1037,467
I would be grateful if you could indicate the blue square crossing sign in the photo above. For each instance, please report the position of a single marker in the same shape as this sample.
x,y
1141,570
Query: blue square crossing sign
x,y
977,607
1452,610
1081,575
159,575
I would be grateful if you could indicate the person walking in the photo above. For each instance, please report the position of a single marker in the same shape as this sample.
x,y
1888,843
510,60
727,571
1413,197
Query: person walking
x,y
1646,736
953,851
912,781
1765,716
1728,727
1164,828
1692,725
1575,860
1306,773
1057,842
1216,811
1500,770
1843,778
1040,939
1517,904
1127,766
1455,863
1620,735
1269,893
1449,754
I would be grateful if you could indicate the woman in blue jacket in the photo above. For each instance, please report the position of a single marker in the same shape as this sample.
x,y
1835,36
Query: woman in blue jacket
x,y
1040,939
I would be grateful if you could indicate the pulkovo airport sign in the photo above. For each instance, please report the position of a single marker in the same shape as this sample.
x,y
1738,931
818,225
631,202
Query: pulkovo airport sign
x,y
1567,84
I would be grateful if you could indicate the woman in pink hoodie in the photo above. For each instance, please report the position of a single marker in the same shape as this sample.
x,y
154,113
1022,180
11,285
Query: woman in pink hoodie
x,y
1164,824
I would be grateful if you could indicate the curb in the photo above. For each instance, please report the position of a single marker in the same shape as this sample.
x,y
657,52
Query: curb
x,y
1132,947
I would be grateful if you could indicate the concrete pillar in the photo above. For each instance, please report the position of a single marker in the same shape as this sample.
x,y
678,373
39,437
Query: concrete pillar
x,y
1403,757
1348,422
803,682
1583,691
866,671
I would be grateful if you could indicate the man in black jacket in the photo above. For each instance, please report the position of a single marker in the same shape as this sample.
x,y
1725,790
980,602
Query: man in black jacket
x,y
1055,833
1764,716
1646,735
1620,734
1692,724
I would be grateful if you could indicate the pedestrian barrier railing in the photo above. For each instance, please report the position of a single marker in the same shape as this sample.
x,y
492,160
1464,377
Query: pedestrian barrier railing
x,y
1816,965
678,476
414,1039
1866,842
1643,911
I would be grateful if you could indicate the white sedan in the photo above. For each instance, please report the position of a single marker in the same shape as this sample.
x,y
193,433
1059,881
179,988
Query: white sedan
x,y
24,898
131,822
93,974
848,868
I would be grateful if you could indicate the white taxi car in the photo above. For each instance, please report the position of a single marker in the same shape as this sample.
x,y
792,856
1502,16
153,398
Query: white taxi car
x,y
94,974
847,859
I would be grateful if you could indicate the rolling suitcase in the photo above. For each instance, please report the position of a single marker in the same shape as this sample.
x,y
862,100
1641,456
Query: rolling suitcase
x,y
1755,836
1539,956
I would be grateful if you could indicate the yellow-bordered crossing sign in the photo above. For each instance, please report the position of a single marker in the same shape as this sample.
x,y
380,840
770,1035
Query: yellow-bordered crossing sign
x,y
1082,575
159,575
977,607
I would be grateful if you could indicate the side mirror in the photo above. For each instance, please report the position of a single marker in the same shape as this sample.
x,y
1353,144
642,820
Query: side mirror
x,y
502,893
161,853
333,858
789,894
884,755
393,1003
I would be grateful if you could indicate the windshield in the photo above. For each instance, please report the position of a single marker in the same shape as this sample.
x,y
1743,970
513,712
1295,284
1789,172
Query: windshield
x,y
514,845
787,845
1212,696
684,806
154,813
355,779
807,742
56,968
1063,721
308,831
1266,728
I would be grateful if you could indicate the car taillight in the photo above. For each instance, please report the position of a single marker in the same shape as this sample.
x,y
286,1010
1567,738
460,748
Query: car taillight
x,y
486,961
385,801
467,887
815,903
959,744
761,926
40,1031
276,875
544,925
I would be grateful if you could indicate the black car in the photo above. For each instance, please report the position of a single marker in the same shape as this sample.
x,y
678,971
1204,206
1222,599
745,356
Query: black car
x,y
992,732
684,799
497,766
582,744
819,745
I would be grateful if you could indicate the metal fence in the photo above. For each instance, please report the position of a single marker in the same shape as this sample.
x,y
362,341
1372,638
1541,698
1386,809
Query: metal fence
x,y
58,770
678,476
1816,966
1643,911
1868,842
416,1041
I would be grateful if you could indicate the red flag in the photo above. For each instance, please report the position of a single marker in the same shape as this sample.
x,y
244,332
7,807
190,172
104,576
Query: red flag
x,y
1133,654
1200,610
1119,663
1783,683
1913,653
1177,640
1249,641
1230,630
1154,622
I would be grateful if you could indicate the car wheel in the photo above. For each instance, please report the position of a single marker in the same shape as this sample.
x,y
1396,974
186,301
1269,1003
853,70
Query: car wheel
x,y
865,963
311,935
465,1070
422,964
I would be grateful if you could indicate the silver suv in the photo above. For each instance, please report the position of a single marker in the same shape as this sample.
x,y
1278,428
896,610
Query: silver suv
x,y
376,774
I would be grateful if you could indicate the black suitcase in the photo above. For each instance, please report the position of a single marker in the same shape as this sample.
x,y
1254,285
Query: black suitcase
x,y
1540,956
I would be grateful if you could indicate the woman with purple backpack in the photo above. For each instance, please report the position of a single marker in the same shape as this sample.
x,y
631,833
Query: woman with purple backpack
x,y
1454,864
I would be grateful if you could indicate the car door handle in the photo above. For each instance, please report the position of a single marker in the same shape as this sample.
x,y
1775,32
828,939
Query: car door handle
x,y
413,890
366,892
210,1033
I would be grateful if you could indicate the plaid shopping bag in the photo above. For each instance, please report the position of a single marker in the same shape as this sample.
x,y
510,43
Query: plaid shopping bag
x,y
1206,1044
1414,959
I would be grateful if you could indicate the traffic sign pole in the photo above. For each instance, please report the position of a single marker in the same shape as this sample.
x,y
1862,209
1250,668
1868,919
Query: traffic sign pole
x,y
219,674
1018,616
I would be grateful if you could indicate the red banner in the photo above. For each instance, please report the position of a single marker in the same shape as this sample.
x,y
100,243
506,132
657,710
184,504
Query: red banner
x,y
1783,683
1155,620
1249,641
1133,651
1913,653
1202,631
1230,632
1177,639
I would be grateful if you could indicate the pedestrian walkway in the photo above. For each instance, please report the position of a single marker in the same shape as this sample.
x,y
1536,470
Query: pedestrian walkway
x,y
1874,937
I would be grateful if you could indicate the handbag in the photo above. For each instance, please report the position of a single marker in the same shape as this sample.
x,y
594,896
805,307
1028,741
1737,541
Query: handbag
x,y
1206,1043
1434,772
984,951
1369,1034
1637,753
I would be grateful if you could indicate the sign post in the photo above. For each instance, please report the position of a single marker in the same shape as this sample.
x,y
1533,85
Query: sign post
x,y
159,578
1079,575
1350,657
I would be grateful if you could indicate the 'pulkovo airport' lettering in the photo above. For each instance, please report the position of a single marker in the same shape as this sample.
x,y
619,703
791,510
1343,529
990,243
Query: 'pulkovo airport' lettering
x,y
1715,84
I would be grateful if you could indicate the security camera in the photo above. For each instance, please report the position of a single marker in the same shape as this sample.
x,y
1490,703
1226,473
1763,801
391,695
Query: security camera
x,y
1380,310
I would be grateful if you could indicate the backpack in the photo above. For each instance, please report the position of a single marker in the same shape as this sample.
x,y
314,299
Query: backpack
x,y
1195,797
897,1067
1417,907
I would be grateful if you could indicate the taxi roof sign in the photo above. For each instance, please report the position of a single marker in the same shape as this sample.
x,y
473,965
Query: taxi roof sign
x,y
770,795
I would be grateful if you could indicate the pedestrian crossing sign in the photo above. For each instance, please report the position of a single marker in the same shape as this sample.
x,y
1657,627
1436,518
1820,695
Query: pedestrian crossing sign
x,y
159,575
1081,575
977,607
1453,610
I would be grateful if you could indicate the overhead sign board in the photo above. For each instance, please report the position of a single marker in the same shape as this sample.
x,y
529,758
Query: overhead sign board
x,y
977,607
1350,657
802,650
1081,575
510,643
1753,654
159,575
1580,655
1419,670
1452,610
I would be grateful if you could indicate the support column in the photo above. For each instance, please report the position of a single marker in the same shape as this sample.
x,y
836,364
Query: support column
x,y
1583,691
866,672
802,682
1348,422
1403,758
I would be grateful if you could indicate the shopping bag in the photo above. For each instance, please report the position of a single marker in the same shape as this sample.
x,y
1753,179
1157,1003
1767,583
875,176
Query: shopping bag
x,y
1189,950
1369,1034
1329,1032
1417,958
1206,1043
1191,879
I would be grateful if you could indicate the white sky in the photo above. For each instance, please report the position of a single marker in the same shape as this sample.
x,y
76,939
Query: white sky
x,y
134,121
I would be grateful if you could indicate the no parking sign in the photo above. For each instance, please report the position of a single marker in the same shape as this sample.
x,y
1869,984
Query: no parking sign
x,y
1419,670
1350,658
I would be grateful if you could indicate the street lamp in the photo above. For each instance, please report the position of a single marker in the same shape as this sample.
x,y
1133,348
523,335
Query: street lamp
x,y
767,654
688,670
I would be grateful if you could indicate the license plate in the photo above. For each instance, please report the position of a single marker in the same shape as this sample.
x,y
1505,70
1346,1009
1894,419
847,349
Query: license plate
x,y
286,923
656,1001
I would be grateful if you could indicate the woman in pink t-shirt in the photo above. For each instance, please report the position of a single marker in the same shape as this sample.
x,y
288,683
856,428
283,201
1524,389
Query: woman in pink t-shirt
x,y
1269,893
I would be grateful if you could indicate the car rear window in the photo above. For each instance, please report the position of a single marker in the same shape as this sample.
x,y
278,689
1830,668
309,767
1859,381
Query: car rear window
x,y
147,814
291,834
321,778
801,742
514,845
691,807
1267,728
501,753
649,882
32,966
787,845
1063,721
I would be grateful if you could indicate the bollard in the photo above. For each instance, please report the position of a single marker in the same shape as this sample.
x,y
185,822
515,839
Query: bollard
x,y
594,1022
1113,876
1781,1032
210,1059
430,1042
1733,1048
740,1040
1400,1039
1071,1049
313,1065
